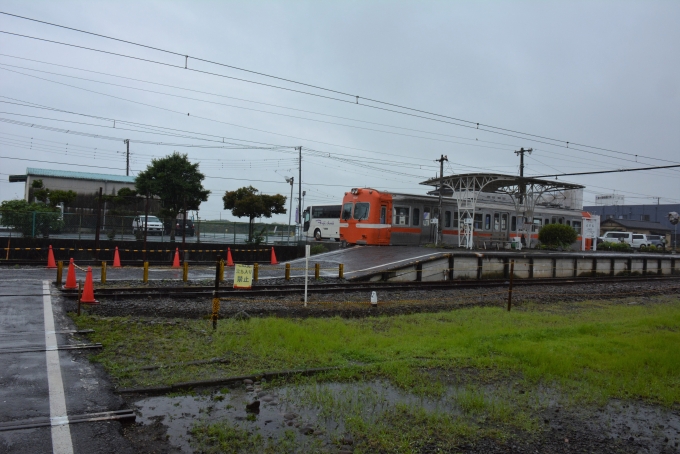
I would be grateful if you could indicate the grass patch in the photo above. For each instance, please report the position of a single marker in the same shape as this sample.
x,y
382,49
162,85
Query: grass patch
x,y
597,350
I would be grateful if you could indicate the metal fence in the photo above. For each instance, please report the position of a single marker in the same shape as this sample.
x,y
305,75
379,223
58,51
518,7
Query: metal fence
x,y
113,227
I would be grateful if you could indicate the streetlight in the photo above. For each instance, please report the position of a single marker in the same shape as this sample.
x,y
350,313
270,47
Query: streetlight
x,y
290,180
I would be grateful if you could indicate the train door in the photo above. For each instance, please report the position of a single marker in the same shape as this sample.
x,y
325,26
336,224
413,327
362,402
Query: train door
x,y
429,228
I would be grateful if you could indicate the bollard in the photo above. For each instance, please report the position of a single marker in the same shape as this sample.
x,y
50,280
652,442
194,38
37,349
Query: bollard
x,y
374,299
317,271
60,272
341,271
145,278
103,279
287,271
219,274
185,271
80,294
512,274
256,271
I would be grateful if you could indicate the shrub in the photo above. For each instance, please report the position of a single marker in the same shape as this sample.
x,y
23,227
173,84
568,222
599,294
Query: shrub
x,y
557,235
616,247
317,249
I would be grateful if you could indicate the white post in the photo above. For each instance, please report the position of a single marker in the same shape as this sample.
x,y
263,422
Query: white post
x,y
306,270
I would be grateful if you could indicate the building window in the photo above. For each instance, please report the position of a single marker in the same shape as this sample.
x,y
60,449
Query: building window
x,y
644,217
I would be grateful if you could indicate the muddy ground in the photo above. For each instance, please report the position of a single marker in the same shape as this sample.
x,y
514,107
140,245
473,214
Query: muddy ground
x,y
617,427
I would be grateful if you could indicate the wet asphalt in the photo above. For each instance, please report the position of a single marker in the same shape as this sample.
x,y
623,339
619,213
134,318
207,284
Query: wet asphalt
x,y
24,390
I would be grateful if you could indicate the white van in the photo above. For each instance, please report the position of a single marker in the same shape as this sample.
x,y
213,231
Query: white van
x,y
634,240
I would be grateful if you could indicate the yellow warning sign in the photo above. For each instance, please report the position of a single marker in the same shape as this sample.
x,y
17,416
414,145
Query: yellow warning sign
x,y
243,276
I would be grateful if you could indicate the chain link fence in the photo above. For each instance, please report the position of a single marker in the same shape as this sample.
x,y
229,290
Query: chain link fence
x,y
37,224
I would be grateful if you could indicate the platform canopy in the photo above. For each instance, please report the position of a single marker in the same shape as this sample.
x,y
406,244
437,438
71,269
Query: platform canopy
x,y
498,183
524,191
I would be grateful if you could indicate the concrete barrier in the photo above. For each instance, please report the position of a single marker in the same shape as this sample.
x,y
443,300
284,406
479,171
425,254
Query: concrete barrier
x,y
496,265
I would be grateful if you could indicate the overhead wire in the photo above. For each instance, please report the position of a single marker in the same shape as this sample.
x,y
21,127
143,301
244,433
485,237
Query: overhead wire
x,y
469,123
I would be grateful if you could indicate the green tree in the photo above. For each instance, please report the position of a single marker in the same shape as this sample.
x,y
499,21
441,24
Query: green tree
x,y
57,196
51,197
554,235
175,181
249,202
30,218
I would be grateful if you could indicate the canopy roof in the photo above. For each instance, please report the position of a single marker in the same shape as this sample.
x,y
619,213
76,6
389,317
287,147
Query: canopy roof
x,y
499,183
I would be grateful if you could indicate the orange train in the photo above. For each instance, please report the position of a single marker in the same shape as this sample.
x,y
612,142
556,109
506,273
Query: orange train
x,y
372,217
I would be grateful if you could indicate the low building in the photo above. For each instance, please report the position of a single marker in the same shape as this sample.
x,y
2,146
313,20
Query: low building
x,y
627,225
78,182
652,214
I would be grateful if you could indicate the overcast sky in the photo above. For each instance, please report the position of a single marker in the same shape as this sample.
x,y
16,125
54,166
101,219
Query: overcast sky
x,y
599,74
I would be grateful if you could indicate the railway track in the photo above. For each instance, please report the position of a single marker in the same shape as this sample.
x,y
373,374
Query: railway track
x,y
292,289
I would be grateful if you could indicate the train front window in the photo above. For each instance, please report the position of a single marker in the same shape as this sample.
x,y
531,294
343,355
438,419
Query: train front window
x,y
416,216
576,225
496,221
361,211
347,211
504,222
487,222
513,223
447,219
401,215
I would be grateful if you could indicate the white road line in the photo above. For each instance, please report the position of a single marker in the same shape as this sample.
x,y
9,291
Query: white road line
x,y
392,263
61,432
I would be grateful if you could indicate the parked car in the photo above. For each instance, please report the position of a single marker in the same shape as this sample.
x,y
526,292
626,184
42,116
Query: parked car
x,y
657,240
634,240
639,241
154,225
616,237
180,226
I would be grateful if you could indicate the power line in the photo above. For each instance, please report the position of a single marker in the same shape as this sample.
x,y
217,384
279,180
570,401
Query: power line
x,y
606,171
469,123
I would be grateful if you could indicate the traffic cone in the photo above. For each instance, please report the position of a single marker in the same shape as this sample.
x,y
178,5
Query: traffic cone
x,y
71,283
230,261
88,289
175,263
50,259
116,259
274,261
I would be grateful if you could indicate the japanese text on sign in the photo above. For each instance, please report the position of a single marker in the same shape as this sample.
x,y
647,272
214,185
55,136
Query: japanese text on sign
x,y
243,276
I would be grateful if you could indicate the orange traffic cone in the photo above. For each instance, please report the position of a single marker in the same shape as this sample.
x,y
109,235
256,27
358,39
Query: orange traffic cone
x,y
50,259
88,289
116,259
274,261
175,263
230,261
71,283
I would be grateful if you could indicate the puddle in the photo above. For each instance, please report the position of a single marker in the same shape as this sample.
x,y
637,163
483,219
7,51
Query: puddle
x,y
312,416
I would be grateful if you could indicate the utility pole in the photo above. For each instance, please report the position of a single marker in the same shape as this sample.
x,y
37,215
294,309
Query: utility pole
x,y
299,219
290,180
127,158
522,193
522,186
440,237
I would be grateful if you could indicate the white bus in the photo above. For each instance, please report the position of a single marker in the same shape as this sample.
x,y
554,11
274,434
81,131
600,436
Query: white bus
x,y
322,222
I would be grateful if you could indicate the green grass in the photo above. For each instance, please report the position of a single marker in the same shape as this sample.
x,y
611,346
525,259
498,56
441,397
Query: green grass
x,y
595,350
